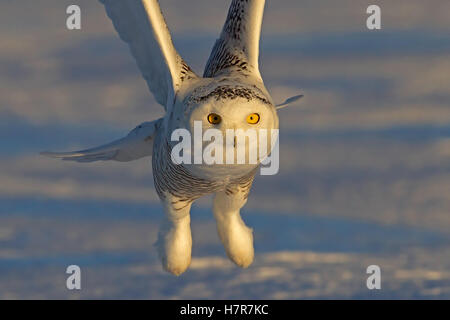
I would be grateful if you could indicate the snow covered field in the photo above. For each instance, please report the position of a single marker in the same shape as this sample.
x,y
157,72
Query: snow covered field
x,y
296,257
364,157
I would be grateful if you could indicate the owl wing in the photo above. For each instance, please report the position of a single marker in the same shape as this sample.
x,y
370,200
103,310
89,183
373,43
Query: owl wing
x,y
141,25
237,49
137,144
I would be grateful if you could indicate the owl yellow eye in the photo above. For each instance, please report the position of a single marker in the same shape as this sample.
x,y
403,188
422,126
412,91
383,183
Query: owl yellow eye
x,y
214,118
253,118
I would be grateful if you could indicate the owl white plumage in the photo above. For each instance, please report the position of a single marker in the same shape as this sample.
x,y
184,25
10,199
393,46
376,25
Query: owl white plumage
x,y
230,91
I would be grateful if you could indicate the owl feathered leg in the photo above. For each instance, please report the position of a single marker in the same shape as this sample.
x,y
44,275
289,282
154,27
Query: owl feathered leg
x,y
174,239
236,237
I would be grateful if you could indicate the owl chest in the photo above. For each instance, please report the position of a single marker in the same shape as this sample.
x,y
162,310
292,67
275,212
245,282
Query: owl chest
x,y
178,181
175,179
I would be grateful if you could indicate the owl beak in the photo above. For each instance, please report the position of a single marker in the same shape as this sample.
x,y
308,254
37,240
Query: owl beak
x,y
231,144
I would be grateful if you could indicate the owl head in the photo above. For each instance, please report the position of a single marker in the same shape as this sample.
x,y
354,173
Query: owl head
x,y
232,124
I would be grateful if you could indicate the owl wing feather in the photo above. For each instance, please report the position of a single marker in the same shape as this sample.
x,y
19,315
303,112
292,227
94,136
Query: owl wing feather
x,y
237,49
141,25
137,144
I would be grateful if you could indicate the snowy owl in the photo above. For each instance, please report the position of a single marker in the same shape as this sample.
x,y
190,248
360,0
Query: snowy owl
x,y
230,95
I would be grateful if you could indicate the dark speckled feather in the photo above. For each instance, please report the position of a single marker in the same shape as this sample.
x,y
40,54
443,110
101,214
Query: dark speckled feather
x,y
176,180
237,49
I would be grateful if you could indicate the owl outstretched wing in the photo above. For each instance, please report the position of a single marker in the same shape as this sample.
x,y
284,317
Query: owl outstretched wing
x,y
141,24
237,49
137,144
